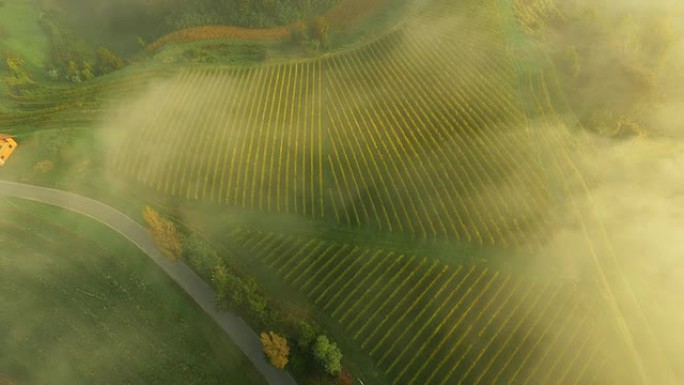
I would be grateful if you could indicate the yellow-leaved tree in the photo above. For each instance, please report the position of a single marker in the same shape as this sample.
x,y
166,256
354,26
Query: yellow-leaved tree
x,y
164,233
276,349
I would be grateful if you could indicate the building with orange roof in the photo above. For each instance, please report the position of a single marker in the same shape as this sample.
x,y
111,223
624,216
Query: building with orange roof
x,y
7,146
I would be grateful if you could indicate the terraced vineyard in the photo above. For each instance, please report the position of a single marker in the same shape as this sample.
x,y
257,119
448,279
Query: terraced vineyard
x,y
256,141
424,322
417,133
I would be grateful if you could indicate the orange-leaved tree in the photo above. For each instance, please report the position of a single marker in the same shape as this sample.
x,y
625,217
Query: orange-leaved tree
x,y
164,233
276,349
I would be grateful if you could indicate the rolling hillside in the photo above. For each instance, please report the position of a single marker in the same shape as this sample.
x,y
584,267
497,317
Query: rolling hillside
x,y
418,133
451,128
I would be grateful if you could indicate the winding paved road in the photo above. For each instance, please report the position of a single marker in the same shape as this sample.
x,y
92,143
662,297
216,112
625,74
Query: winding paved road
x,y
235,327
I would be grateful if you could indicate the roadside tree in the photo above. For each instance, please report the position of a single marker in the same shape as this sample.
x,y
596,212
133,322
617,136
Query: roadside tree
x,y
275,348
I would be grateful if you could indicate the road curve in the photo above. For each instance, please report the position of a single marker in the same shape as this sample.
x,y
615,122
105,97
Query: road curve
x,y
235,327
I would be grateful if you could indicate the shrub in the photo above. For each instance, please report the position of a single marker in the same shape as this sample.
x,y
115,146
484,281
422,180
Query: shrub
x,y
328,354
106,61
164,233
87,71
307,335
201,256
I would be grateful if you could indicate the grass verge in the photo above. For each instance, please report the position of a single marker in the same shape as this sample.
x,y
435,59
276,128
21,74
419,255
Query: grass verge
x,y
82,305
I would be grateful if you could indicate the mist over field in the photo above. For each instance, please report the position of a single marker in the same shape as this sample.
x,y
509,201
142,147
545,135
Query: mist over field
x,y
634,187
634,191
635,202
621,199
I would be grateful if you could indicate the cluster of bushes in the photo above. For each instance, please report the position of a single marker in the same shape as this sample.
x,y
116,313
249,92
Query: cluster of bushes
x,y
245,13
164,232
18,79
299,346
72,62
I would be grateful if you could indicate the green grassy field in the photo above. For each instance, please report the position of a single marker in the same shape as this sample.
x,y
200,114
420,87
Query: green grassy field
x,y
82,305
22,33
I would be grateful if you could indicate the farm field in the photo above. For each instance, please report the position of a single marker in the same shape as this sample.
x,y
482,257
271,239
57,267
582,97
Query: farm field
x,y
82,305
401,189
396,136
426,322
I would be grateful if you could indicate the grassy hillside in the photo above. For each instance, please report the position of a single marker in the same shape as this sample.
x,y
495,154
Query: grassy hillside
x,y
82,305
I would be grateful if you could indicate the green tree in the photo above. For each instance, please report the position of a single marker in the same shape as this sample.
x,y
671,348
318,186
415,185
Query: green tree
x,y
106,61
73,74
275,348
200,254
328,354
87,71
307,335
220,277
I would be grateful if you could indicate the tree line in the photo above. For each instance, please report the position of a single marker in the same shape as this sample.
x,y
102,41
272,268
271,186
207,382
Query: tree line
x,y
180,14
289,342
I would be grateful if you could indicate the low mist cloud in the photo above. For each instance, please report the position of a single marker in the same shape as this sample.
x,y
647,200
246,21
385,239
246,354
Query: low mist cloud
x,y
633,190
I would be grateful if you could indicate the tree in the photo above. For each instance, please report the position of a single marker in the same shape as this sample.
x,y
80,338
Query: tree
x,y
87,70
18,78
106,61
200,254
73,74
328,354
307,335
164,233
275,348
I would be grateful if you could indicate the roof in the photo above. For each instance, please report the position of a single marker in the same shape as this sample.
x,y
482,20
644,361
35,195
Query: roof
x,y
7,146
